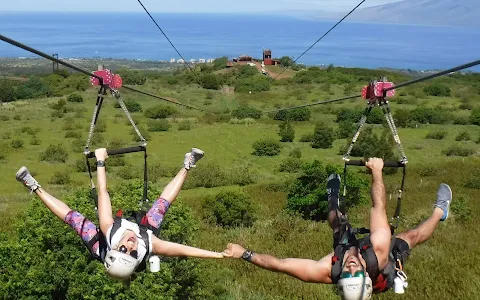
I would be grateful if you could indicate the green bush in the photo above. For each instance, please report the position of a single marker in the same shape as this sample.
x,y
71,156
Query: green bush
x,y
75,98
17,117
375,117
266,147
323,136
73,134
144,133
346,129
437,89
158,125
307,195
436,135
210,81
132,77
463,136
286,132
462,210
60,105
475,117
244,111
371,145
458,151
298,114
35,141
466,106
296,152
47,244
16,144
426,115
429,171
57,114
230,208
131,105
461,120
160,112
54,154
4,117
307,138
256,83
290,165
184,125
208,175
350,115
61,178
29,130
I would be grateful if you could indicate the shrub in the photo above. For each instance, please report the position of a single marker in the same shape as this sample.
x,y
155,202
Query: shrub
x,y
75,98
73,134
4,117
16,144
144,133
437,89
158,125
350,115
372,145
290,165
428,171
462,211
296,152
61,178
375,117
184,125
209,175
323,136
307,138
346,129
475,117
160,112
425,115
29,130
463,136
266,147
461,120
6,135
59,105
458,151
298,114
132,77
466,106
307,195
17,117
35,141
131,105
80,166
256,83
436,135
57,114
231,208
246,112
54,154
210,81
287,133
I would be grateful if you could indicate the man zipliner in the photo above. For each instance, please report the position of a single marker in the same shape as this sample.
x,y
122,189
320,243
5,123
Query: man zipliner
x,y
120,244
358,267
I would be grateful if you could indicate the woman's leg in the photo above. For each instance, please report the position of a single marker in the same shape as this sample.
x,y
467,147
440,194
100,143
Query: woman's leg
x,y
59,208
171,191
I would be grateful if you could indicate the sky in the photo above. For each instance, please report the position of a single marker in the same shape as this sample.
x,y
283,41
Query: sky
x,y
186,6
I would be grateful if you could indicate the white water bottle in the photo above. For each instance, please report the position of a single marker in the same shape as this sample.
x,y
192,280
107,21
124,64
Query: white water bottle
x,y
400,282
154,263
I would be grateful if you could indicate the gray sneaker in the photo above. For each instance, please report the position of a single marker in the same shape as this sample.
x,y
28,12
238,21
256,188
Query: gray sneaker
x,y
444,198
27,179
192,158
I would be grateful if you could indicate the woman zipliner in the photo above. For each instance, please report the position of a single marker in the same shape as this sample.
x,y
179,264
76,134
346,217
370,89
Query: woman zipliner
x,y
120,244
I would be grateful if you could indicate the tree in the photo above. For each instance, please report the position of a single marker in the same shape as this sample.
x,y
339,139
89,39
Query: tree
x,y
245,111
231,208
323,136
210,81
475,116
266,147
6,91
286,132
220,63
286,61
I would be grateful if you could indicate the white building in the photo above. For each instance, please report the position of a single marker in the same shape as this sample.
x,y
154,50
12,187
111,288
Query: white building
x,y
201,60
193,61
180,61
172,60
210,60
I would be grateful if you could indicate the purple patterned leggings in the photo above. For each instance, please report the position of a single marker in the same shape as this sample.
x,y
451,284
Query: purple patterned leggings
x,y
86,229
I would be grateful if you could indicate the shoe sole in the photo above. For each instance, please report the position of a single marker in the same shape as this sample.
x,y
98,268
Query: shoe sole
x,y
449,201
197,151
20,172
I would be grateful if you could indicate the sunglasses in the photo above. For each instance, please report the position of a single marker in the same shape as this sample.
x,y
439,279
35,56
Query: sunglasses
x,y
124,249
349,275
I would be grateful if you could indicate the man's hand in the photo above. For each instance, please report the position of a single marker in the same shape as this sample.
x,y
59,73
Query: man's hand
x,y
101,154
375,164
233,251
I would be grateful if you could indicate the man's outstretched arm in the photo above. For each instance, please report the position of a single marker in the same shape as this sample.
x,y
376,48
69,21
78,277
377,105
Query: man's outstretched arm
x,y
304,269
380,234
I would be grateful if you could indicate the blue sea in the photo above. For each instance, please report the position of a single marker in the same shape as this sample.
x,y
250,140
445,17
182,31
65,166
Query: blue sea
x,y
135,36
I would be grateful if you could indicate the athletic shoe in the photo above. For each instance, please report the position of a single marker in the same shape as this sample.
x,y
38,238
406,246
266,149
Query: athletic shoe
x,y
333,191
444,198
27,179
192,158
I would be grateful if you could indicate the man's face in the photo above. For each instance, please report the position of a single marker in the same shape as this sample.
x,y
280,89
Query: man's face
x,y
352,263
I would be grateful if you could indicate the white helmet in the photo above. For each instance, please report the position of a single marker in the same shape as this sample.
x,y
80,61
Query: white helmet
x,y
355,288
120,265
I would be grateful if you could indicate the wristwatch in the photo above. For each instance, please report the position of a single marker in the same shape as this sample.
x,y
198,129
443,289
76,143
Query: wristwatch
x,y
100,163
247,255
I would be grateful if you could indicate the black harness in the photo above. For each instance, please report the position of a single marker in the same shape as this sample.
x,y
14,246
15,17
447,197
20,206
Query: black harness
x,y
382,279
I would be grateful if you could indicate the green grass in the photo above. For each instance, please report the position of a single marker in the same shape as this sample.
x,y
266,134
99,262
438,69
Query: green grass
x,y
436,269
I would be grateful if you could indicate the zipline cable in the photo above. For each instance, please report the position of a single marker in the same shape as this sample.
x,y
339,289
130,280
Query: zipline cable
x,y
49,57
428,77
158,26
161,98
338,23
30,49
315,103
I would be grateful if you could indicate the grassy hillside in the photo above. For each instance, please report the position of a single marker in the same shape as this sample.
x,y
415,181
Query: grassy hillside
x,y
436,269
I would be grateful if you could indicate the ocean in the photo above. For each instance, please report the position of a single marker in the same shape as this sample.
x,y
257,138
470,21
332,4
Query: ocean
x,y
135,36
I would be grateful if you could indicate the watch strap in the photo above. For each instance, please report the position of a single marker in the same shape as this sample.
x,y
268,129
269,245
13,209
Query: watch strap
x,y
100,163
